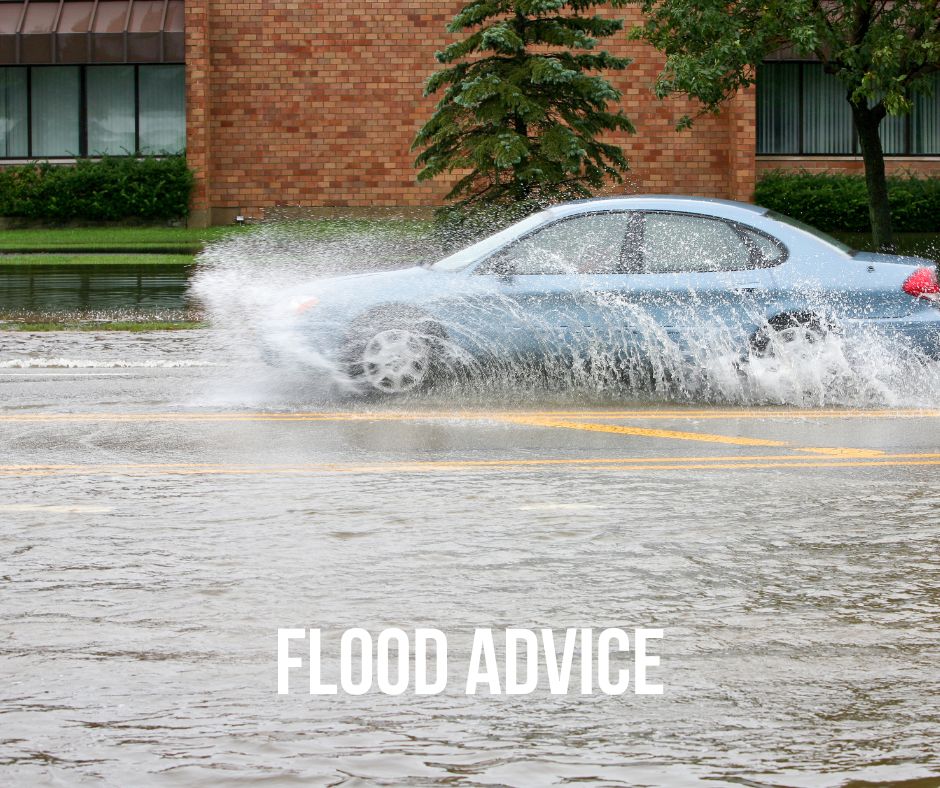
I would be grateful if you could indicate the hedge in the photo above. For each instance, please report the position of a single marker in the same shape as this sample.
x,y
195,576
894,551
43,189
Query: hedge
x,y
106,189
839,203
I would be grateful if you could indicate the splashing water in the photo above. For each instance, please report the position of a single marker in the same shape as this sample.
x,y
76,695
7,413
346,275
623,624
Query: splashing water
x,y
600,346
59,362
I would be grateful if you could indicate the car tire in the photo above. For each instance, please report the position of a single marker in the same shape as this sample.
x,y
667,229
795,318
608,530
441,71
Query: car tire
x,y
392,353
786,328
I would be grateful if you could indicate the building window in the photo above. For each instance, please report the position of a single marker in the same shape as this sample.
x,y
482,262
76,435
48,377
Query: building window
x,y
110,109
74,111
802,110
14,141
54,111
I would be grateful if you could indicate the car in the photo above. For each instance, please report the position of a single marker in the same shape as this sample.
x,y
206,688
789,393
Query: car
x,y
607,282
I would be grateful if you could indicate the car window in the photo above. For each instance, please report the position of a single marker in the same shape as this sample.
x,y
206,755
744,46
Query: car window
x,y
589,244
769,251
676,242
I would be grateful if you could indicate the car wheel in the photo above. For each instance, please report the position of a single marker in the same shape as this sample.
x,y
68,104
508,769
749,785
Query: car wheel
x,y
394,357
804,328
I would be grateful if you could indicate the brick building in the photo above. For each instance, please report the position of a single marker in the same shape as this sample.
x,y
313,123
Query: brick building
x,y
291,105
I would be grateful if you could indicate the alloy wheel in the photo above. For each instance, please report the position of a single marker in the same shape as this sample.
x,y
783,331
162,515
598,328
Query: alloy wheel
x,y
396,361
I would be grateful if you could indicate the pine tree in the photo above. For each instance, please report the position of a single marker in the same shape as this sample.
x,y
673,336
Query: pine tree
x,y
520,112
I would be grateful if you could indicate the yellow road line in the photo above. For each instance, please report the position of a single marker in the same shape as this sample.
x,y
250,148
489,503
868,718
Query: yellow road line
x,y
617,429
750,413
843,452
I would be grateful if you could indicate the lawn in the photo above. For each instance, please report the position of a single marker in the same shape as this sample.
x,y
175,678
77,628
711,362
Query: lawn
x,y
104,238
95,239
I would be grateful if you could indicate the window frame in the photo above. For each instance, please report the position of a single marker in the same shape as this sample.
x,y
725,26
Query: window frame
x,y
855,152
83,111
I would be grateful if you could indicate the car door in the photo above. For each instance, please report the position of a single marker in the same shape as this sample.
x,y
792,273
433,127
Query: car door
x,y
687,279
539,297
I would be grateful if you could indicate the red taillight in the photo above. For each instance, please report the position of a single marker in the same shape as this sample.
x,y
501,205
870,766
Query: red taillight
x,y
923,284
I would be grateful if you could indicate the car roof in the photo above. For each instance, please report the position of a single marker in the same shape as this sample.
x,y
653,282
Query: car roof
x,y
672,202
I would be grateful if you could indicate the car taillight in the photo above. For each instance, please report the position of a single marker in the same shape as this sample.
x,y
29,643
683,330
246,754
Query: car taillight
x,y
923,284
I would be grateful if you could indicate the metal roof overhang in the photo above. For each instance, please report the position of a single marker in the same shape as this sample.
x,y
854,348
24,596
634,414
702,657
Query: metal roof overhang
x,y
44,32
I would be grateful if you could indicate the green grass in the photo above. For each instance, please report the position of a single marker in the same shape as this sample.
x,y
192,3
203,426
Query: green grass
x,y
111,325
328,228
144,238
44,259
95,238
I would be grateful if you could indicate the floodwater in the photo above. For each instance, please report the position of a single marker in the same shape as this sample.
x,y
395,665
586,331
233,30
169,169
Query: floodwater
x,y
50,289
167,505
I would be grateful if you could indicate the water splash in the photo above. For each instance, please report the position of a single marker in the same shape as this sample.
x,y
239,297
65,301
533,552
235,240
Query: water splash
x,y
597,346
45,362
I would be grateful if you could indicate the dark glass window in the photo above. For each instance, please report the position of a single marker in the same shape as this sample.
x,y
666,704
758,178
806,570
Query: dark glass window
x,y
680,243
588,244
54,111
109,98
802,110
925,122
162,109
14,141
72,111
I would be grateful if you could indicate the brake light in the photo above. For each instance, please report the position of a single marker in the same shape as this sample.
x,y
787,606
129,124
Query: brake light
x,y
923,284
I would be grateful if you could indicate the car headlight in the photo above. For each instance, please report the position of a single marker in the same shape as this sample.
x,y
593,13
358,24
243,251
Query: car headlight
x,y
300,306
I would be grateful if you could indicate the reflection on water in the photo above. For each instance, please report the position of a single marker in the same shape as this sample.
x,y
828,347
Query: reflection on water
x,y
70,288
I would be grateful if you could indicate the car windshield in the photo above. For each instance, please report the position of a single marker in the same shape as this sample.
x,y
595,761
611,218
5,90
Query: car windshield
x,y
463,258
808,228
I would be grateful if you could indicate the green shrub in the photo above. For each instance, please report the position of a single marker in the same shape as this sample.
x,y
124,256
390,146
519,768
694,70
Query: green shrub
x,y
839,203
107,189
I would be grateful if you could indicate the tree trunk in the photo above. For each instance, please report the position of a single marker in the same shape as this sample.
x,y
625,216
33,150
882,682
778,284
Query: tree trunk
x,y
867,120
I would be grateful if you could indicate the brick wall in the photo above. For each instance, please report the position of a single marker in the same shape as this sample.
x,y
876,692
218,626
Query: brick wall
x,y
197,106
315,104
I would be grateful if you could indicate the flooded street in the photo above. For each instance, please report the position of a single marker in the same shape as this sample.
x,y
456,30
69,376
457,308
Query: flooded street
x,y
165,510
